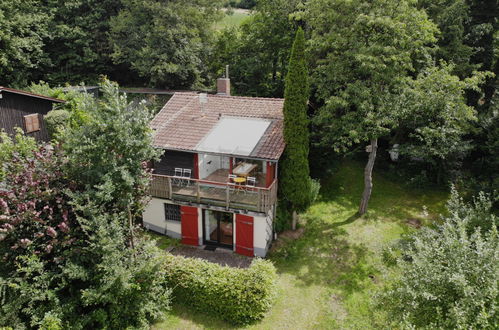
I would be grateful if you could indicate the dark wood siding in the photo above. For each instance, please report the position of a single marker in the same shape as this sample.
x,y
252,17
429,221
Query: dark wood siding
x,y
172,159
13,108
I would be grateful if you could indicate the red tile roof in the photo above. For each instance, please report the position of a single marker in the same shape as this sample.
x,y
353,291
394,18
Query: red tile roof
x,y
17,91
184,121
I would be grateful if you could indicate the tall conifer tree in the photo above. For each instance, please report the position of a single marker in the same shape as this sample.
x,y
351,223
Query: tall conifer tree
x,y
295,180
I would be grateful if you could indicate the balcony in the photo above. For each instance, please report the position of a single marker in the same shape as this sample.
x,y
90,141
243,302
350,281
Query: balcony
x,y
214,193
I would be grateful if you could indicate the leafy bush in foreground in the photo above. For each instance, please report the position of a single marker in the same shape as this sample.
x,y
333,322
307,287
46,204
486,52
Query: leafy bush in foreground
x,y
450,274
69,254
239,296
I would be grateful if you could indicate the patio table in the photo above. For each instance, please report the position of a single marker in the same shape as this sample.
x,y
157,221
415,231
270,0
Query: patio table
x,y
244,169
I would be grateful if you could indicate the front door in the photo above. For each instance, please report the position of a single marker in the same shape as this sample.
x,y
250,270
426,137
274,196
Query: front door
x,y
244,235
218,228
189,225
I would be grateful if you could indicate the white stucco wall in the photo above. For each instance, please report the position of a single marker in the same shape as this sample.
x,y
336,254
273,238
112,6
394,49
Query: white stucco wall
x,y
262,235
206,169
154,219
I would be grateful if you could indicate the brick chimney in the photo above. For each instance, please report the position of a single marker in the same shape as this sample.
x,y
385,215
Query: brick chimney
x,y
223,84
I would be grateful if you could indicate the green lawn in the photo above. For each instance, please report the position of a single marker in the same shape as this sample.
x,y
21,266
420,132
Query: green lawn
x,y
328,276
233,19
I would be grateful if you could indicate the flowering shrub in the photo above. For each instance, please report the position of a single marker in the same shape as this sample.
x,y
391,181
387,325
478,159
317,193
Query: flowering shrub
x,y
35,214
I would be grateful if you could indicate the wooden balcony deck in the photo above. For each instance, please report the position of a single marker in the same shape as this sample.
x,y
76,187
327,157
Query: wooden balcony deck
x,y
214,193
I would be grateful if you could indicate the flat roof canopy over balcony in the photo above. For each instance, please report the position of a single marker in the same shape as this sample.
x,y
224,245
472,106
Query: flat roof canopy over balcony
x,y
234,135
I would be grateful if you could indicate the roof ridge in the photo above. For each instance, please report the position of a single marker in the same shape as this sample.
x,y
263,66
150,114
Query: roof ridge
x,y
234,96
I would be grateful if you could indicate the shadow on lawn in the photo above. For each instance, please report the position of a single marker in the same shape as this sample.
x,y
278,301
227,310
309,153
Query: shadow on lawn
x,y
323,256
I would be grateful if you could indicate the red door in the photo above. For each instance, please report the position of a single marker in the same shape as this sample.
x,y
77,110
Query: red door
x,y
244,235
189,225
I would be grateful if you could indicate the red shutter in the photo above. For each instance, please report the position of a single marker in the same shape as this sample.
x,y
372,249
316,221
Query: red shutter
x,y
244,235
189,225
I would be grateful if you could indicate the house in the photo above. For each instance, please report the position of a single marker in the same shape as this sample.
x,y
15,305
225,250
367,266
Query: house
x,y
25,110
216,183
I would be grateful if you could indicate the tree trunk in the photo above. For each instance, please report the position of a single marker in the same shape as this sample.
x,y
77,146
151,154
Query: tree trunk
x,y
130,224
368,179
295,220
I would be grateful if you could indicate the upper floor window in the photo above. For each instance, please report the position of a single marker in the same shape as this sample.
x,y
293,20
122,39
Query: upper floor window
x,y
32,123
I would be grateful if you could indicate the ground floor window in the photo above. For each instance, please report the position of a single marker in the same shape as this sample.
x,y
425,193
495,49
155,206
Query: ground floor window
x,y
218,228
172,212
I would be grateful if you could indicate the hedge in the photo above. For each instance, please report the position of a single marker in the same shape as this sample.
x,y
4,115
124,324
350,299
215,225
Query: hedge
x,y
238,296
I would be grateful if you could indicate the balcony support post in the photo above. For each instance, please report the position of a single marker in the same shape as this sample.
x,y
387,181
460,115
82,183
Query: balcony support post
x,y
198,192
170,192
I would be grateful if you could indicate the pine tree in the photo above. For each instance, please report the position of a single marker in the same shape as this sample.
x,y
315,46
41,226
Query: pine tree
x,y
295,180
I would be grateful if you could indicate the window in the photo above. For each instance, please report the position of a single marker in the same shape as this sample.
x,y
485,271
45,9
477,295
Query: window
x,y
172,212
31,123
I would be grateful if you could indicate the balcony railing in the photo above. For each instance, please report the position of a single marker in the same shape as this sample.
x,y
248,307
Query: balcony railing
x,y
214,193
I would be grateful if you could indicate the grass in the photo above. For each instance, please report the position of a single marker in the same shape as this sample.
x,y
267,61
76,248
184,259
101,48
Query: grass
x,y
232,19
162,241
327,278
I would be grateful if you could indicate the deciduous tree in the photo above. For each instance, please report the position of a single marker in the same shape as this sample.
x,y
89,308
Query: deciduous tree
x,y
364,52
165,42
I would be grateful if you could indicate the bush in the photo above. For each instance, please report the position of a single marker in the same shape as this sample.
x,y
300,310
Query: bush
x,y
239,296
315,187
56,120
449,274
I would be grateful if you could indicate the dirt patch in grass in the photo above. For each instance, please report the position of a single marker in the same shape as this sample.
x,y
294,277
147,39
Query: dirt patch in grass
x,y
285,237
415,223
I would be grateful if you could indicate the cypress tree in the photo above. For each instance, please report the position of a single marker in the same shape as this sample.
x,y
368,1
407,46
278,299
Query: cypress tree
x,y
295,180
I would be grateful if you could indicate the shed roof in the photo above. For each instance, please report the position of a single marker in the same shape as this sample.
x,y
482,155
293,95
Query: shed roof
x,y
184,122
20,92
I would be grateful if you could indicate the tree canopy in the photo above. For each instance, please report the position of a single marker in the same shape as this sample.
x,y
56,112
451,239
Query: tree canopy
x,y
166,43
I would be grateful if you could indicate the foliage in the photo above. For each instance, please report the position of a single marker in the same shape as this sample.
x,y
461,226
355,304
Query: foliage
x,y
56,121
109,152
23,29
71,254
165,42
78,46
295,173
239,296
21,146
363,56
258,51
434,117
245,4
450,274
452,18
69,113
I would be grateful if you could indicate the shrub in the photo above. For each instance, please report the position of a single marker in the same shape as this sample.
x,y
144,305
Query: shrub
x,y
239,296
450,274
56,120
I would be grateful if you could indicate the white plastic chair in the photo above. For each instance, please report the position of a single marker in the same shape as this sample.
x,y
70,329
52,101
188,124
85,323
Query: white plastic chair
x,y
177,176
250,183
186,174
230,182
